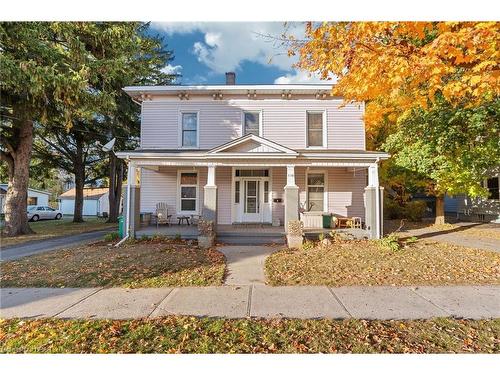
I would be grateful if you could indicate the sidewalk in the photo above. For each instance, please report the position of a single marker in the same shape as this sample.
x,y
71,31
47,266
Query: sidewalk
x,y
474,302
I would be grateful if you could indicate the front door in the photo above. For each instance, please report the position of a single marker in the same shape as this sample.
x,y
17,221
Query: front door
x,y
252,202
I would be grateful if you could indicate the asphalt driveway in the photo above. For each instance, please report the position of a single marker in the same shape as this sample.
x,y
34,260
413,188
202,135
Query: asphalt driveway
x,y
25,249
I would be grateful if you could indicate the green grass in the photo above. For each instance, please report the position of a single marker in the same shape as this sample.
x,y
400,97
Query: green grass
x,y
135,264
51,228
193,335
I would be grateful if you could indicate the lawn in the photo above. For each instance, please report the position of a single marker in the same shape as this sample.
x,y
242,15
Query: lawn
x,y
51,228
367,263
193,335
136,264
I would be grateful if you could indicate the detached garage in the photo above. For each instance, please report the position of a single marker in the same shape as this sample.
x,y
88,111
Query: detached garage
x,y
35,197
95,202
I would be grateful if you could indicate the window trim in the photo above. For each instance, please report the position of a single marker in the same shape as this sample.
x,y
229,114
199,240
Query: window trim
x,y
485,185
180,130
325,130
259,111
179,186
325,192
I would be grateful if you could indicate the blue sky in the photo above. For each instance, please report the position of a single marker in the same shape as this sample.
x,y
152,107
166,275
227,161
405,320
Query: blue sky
x,y
205,51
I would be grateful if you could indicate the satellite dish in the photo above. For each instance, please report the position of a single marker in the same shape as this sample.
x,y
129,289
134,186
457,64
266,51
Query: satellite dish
x,y
109,146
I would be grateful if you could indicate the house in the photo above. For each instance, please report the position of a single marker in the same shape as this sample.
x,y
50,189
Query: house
x,y
95,201
252,154
487,209
35,197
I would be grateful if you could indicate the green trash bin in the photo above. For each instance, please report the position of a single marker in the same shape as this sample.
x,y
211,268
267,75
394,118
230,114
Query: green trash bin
x,y
327,220
121,224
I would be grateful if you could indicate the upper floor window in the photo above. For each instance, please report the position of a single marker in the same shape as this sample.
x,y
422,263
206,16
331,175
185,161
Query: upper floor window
x,y
492,185
251,123
189,129
315,129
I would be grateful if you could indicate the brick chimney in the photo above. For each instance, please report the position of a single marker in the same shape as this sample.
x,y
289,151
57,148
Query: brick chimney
x,y
230,78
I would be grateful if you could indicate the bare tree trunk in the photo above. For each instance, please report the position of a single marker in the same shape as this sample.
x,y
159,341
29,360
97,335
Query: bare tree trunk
x,y
439,210
115,187
79,183
18,161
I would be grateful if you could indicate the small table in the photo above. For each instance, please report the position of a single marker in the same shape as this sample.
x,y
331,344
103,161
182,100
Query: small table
x,y
343,222
182,218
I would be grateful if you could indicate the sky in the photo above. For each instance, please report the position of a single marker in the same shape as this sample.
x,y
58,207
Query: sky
x,y
205,51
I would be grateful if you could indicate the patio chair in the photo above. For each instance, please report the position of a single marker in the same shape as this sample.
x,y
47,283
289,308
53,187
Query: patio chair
x,y
162,215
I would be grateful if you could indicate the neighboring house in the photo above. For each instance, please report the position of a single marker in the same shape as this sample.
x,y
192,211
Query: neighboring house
x,y
252,154
95,201
477,209
35,197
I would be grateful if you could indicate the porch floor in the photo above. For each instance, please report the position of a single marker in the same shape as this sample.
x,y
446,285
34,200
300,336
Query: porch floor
x,y
239,230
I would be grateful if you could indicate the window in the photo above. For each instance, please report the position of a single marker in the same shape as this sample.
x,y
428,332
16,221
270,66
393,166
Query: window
x,y
252,173
492,186
251,123
49,208
32,201
315,191
266,191
315,129
189,131
188,191
236,192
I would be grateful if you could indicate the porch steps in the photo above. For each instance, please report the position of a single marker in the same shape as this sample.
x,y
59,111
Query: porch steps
x,y
250,238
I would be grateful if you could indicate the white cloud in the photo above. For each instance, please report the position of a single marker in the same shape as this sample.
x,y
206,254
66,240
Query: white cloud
x,y
227,44
172,69
302,76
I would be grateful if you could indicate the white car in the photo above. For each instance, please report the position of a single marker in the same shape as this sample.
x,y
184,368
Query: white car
x,y
36,213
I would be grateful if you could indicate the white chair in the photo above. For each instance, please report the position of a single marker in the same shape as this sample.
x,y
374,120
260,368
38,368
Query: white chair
x,y
162,216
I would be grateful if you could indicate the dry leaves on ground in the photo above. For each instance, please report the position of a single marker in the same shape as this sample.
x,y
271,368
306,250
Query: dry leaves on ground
x,y
365,263
149,263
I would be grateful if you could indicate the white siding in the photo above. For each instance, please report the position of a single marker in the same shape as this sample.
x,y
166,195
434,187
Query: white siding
x,y
67,206
284,121
345,190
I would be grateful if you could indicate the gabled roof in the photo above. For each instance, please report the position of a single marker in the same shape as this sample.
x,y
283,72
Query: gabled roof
x,y
88,193
5,187
252,144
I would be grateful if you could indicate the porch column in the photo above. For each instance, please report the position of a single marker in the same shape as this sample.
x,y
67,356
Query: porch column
x,y
373,203
132,208
210,196
291,196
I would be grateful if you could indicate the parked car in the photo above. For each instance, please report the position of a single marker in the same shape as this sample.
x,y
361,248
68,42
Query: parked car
x,y
36,213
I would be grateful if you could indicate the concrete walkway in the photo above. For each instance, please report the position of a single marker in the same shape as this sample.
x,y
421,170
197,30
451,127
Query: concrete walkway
x,y
40,246
245,264
474,302
458,236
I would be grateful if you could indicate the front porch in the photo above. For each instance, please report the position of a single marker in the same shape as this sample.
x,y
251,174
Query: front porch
x,y
253,180
242,231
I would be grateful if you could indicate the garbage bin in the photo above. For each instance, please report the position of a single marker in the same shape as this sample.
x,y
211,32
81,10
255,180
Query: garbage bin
x,y
121,224
327,220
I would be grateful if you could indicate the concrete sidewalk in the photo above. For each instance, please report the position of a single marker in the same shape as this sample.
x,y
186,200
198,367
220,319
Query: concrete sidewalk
x,y
13,252
474,302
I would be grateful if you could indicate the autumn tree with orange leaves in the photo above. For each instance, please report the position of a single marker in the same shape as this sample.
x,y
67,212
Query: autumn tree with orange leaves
x,y
401,69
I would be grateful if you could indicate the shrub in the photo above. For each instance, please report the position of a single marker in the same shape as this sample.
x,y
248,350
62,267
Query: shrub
x,y
110,237
392,210
308,245
415,210
390,242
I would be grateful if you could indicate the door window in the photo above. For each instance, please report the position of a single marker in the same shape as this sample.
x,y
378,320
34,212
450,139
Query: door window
x,y
252,197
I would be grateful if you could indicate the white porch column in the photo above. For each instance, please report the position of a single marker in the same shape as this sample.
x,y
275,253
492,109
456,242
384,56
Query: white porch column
x,y
374,197
132,209
291,197
210,196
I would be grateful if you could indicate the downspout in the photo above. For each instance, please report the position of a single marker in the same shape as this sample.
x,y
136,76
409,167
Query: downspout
x,y
127,233
377,202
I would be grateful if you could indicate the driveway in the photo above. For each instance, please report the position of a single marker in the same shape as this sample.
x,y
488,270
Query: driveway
x,y
13,252
458,236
